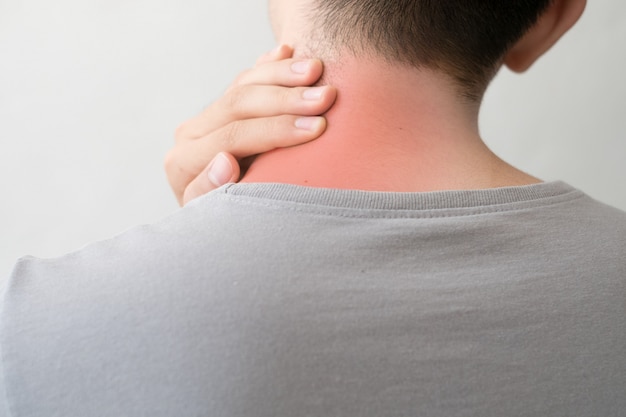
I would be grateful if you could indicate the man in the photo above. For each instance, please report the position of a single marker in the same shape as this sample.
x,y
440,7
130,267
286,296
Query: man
x,y
394,266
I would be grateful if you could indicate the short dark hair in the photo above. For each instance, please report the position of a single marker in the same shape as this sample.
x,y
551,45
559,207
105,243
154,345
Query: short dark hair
x,y
463,38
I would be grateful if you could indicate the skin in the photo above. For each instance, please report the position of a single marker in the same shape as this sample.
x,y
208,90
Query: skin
x,y
384,136
381,135
268,106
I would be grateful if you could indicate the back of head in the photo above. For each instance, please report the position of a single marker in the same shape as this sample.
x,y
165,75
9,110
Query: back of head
x,y
466,39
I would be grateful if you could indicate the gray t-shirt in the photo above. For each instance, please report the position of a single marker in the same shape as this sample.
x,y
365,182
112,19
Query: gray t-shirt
x,y
266,300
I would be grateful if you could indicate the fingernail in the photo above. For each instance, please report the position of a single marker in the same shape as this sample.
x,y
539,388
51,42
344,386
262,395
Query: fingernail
x,y
314,93
220,170
301,67
309,123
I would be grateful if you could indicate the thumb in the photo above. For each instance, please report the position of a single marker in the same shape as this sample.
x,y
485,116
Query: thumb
x,y
223,169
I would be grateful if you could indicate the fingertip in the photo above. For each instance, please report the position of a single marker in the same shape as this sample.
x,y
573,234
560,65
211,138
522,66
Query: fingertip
x,y
317,68
319,100
316,124
330,96
322,126
220,170
234,167
308,129
280,52
309,71
284,51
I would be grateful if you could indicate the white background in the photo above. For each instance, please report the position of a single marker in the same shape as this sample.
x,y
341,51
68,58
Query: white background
x,y
91,91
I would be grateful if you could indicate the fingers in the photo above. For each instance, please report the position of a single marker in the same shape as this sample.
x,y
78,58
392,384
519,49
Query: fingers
x,y
269,106
253,136
276,54
240,139
265,79
288,73
255,101
223,169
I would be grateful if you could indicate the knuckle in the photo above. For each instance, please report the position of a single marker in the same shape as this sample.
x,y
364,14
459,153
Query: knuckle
x,y
289,96
242,77
170,163
231,135
177,175
276,128
234,100
266,129
180,131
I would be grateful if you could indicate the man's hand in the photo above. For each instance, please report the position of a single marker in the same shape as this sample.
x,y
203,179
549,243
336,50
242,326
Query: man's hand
x,y
267,107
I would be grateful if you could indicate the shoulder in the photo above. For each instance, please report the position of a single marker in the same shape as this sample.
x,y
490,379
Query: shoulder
x,y
101,321
592,217
115,283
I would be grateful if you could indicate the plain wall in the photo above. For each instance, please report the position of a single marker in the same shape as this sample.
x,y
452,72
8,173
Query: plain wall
x,y
92,90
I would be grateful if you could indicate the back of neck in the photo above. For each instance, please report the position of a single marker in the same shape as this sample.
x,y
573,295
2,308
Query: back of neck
x,y
392,128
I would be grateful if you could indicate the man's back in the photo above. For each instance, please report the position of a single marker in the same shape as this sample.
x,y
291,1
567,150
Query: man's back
x,y
278,300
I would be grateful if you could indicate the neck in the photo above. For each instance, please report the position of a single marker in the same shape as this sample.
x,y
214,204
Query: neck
x,y
392,129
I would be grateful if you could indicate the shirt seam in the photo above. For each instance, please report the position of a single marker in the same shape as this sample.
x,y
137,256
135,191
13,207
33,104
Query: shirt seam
x,y
400,213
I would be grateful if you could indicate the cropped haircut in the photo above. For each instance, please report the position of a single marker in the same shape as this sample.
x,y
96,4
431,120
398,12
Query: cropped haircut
x,y
465,39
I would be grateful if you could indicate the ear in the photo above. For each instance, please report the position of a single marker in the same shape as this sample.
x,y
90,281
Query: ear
x,y
560,16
